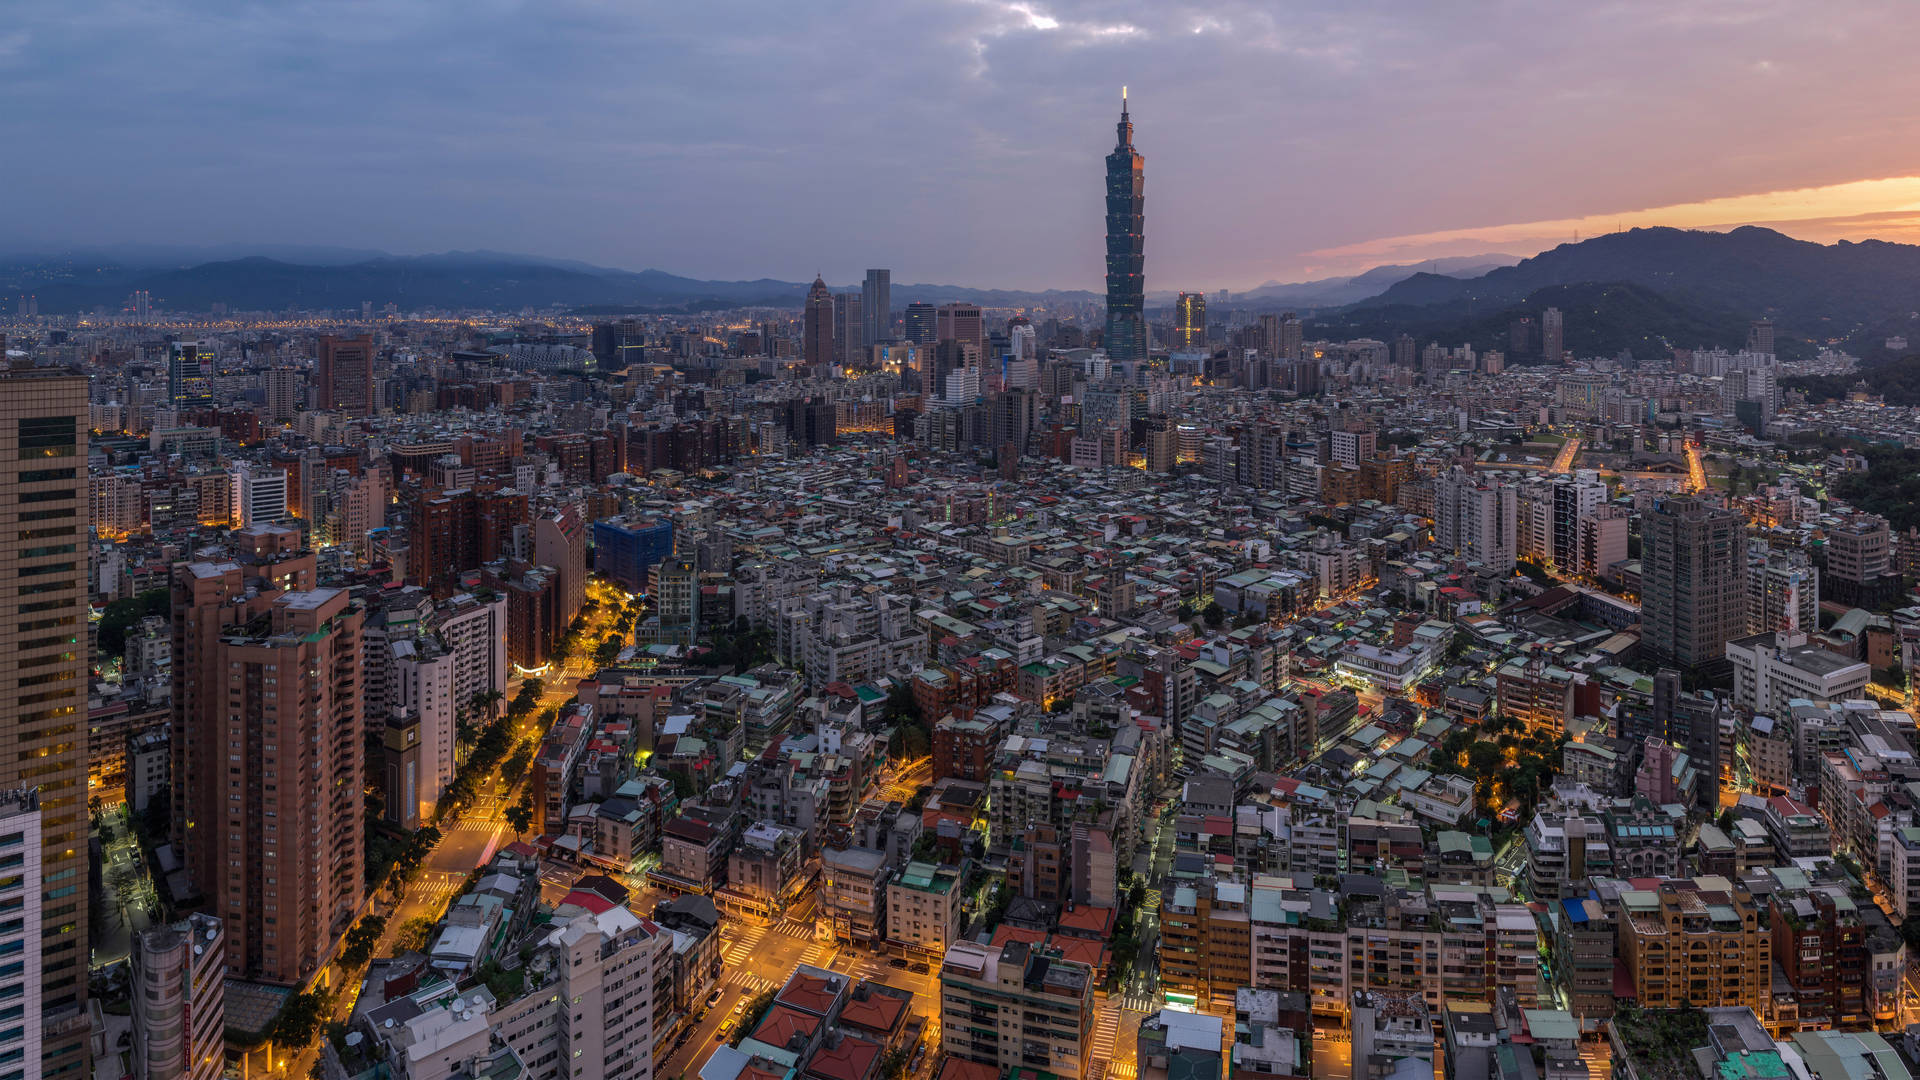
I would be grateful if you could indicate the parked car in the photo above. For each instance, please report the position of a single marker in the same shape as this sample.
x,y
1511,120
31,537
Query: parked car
x,y
920,969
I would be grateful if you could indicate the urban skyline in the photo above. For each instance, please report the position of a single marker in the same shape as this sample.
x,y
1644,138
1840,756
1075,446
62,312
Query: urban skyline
x,y
1519,679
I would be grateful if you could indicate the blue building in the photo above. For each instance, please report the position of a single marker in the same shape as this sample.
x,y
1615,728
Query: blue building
x,y
623,550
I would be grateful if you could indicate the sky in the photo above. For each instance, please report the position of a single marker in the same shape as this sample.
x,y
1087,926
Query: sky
x,y
954,141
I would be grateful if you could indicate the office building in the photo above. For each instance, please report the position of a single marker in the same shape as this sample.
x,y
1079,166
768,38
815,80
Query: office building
x,y
1553,331
1017,1007
959,322
1860,562
1190,321
624,550
43,676
345,375
876,307
1126,334
816,333
259,494
180,1000
922,323
190,370
1773,669
267,698
1693,582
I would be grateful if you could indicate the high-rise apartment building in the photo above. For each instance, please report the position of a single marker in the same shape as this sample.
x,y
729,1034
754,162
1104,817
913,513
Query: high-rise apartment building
x,y
1475,519
1291,347
1760,336
1126,334
1553,336
1573,498
283,392
1016,1007
190,374
876,307
816,333
1696,942
266,692
1190,321
849,328
345,375
1692,581
922,324
43,679
180,1000
959,322
1783,592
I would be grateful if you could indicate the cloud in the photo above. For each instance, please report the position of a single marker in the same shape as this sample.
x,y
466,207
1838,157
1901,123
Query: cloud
x,y
1867,204
955,140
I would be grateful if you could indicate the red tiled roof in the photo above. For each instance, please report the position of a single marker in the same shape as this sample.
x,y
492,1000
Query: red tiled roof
x,y
809,992
1088,918
853,1059
782,1024
587,898
878,1013
1004,933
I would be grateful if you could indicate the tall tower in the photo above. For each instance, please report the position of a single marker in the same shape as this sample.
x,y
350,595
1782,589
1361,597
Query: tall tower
x,y
43,688
345,374
1692,582
1126,337
1553,341
816,339
1190,320
876,306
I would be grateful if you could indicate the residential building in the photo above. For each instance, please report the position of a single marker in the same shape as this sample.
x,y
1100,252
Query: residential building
x,y
179,1000
1693,598
1016,1007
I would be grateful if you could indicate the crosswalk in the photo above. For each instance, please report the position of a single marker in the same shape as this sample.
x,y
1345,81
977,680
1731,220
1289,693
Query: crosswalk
x,y
750,983
1137,1000
744,943
1100,1047
472,824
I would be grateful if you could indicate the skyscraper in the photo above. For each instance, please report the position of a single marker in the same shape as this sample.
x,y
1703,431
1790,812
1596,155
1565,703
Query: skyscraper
x,y
1476,520
849,329
1126,336
816,336
1692,582
1190,321
1553,344
43,679
959,322
345,374
190,374
922,325
876,307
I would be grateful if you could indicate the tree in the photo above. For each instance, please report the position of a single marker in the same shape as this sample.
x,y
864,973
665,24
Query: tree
x,y
123,614
520,815
1214,614
299,1019
357,948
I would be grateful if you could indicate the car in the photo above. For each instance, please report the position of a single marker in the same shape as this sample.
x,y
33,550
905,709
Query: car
x,y
896,962
713,997
920,969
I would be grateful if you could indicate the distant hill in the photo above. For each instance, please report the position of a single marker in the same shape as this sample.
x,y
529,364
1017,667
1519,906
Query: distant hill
x,y
1339,291
1817,291
1602,318
341,279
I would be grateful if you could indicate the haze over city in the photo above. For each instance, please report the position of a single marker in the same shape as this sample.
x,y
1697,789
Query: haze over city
x,y
953,139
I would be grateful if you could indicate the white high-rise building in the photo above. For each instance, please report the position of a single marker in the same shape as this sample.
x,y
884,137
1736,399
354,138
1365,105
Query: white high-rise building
x,y
1475,519
259,494
21,889
1783,591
